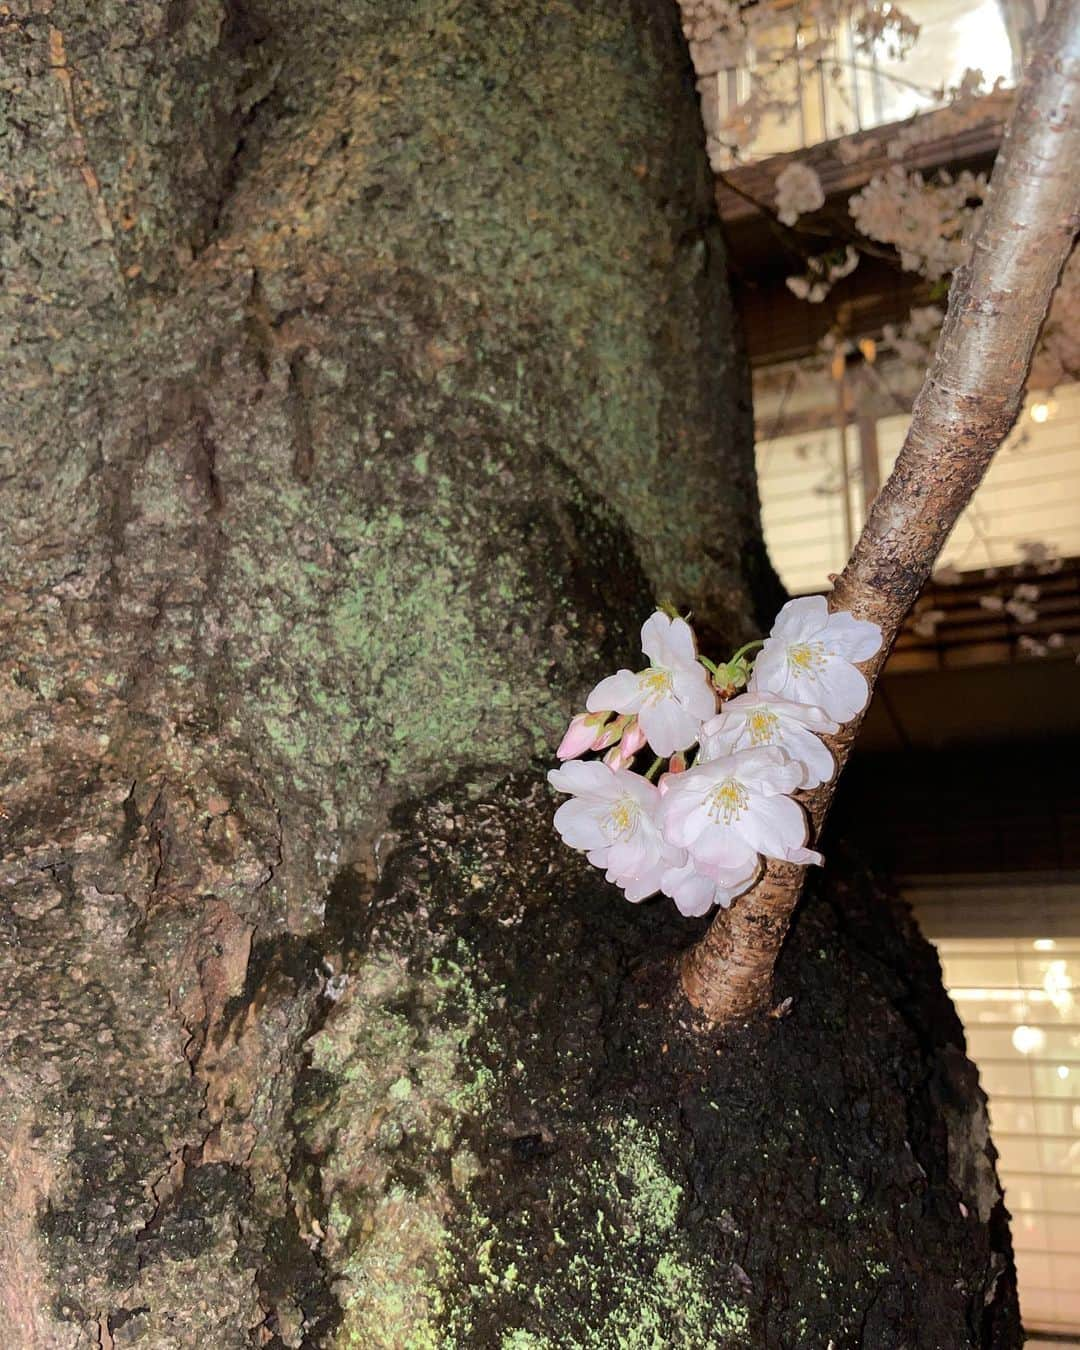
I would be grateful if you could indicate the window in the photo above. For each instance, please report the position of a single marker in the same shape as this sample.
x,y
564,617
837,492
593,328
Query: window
x,y
813,503
1018,1000
837,87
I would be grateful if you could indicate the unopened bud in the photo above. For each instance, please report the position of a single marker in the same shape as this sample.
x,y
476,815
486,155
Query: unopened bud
x,y
611,734
633,739
730,676
581,735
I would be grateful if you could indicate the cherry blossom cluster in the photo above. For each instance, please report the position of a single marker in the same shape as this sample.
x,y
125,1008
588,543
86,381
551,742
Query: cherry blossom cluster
x,y
823,271
700,830
798,192
929,224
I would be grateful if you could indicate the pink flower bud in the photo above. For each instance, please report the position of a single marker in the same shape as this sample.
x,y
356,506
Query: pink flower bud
x,y
581,735
611,734
633,739
677,763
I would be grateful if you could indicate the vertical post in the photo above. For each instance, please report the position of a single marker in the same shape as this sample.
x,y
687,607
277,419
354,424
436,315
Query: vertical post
x,y
840,376
869,458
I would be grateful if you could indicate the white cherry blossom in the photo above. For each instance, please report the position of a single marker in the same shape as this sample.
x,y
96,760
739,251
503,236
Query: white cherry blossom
x,y
798,191
808,656
672,697
730,809
696,886
758,718
612,818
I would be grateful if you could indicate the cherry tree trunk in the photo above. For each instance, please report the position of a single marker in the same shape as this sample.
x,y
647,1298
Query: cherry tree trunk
x,y
369,372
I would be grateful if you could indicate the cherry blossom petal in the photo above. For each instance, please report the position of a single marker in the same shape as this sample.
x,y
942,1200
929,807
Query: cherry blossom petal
x,y
692,892
812,754
853,639
585,779
668,726
696,889
621,693
845,692
805,857
801,619
640,888
580,825
668,642
638,787
654,637
722,846
692,689
764,769
771,666
680,644
773,826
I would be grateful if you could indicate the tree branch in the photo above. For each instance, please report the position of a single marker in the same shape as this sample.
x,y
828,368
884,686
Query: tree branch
x,y
968,403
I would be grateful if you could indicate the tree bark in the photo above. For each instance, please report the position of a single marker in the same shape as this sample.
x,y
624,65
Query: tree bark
x,y
370,370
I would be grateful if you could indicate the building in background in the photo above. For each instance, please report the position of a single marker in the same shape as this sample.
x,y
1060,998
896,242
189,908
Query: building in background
x,y
965,785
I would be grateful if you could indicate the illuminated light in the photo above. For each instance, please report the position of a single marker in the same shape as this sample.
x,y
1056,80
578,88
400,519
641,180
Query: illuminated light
x,y
1026,1039
1017,996
1058,985
1063,1071
1044,944
1042,410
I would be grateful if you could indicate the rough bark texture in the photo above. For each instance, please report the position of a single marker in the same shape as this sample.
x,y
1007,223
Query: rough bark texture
x,y
967,406
368,371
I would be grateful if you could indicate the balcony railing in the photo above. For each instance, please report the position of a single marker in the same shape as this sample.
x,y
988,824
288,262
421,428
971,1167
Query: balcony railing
x,y
799,85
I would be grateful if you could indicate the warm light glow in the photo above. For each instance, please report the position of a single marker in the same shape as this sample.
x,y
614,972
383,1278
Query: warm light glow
x,y
1058,984
1026,1039
1042,410
1023,1022
1016,995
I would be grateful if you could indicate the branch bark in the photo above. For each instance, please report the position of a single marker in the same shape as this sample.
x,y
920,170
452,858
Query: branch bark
x,y
968,404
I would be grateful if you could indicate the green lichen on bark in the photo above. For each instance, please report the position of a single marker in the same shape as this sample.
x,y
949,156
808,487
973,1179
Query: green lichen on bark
x,y
582,1170
399,1080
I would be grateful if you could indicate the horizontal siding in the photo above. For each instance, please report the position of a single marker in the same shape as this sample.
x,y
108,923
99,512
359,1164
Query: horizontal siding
x,y
1032,1079
1031,493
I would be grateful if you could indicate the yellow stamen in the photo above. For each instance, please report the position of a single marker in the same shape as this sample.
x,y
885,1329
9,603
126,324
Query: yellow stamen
x,y
657,683
727,801
806,656
623,818
762,726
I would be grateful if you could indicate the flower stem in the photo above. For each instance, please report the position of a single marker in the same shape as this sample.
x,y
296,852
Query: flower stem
x,y
651,771
709,665
757,642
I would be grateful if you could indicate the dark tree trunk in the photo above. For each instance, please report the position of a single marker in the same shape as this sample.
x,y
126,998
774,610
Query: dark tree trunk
x,y
370,370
